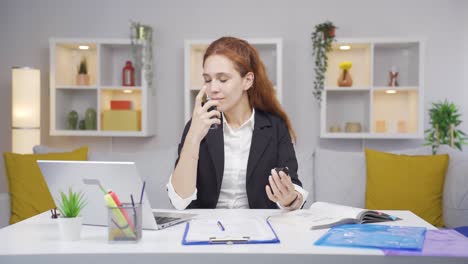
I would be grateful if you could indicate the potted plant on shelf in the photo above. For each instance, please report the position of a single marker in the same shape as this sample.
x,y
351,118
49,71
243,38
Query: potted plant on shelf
x,y
70,220
445,119
82,78
322,38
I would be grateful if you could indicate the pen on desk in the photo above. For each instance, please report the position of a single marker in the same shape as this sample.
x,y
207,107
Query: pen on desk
x,y
220,225
142,190
134,211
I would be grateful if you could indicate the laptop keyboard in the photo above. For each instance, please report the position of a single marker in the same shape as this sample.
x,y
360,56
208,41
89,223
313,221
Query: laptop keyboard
x,y
163,219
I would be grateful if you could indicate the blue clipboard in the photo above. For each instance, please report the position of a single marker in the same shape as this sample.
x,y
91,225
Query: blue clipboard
x,y
230,240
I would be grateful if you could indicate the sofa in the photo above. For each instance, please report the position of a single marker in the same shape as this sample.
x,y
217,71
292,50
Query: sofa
x,y
330,176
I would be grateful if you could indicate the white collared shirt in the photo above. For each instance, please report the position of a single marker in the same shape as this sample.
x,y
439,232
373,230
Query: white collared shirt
x,y
236,155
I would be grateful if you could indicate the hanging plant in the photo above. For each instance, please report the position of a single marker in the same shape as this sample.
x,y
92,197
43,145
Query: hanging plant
x,y
322,38
142,36
444,121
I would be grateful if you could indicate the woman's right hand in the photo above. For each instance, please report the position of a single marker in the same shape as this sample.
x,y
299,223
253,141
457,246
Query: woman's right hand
x,y
201,118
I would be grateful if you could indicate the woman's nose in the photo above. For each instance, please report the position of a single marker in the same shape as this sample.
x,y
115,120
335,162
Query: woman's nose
x,y
213,87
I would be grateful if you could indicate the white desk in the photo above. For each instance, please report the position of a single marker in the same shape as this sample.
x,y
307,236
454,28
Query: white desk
x,y
36,240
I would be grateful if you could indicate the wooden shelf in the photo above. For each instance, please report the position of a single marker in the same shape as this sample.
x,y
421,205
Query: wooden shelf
x,y
382,111
106,58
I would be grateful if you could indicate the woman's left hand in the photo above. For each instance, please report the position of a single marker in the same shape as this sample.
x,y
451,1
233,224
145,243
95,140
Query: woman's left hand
x,y
281,189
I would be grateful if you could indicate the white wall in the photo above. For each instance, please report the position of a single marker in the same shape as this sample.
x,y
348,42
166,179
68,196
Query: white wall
x,y
26,26
464,88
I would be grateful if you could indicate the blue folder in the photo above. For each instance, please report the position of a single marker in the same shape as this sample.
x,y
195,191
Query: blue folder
x,y
374,236
237,239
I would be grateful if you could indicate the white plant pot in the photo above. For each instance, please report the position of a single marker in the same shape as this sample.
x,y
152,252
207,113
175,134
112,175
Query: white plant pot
x,y
70,228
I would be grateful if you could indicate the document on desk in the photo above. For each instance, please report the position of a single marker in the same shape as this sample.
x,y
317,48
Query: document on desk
x,y
229,231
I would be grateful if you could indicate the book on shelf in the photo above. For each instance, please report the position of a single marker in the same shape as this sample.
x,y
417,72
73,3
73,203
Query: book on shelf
x,y
325,215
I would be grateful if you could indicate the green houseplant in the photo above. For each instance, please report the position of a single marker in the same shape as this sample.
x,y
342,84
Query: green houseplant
x,y
444,120
322,39
70,220
83,77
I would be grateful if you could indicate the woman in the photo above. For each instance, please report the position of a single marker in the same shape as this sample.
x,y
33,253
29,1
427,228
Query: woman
x,y
233,166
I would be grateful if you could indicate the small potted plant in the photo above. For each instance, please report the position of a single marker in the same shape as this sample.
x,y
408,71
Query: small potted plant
x,y
70,220
322,38
83,77
445,119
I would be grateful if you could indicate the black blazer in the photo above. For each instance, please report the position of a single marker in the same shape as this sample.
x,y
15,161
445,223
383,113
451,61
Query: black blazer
x,y
271,147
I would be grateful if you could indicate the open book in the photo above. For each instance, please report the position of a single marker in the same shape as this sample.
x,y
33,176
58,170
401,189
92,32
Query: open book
x,y
326,215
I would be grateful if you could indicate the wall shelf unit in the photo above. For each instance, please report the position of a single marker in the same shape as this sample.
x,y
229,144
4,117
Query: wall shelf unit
x,y
381,111
105,60
270,51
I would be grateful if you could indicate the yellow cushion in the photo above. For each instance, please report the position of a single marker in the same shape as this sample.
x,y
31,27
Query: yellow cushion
x,y
29,194
401,182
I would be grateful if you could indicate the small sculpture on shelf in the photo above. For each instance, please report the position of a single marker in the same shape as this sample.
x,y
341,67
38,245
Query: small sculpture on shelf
x,y
82,78
393,77
345,79
72,120
335,129
128,74
90,119
353,127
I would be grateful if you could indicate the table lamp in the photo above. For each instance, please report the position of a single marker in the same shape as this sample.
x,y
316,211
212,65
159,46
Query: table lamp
x,y
26,109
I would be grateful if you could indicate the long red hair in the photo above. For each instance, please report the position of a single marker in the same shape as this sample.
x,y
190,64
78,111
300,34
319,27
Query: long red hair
x,y
245,57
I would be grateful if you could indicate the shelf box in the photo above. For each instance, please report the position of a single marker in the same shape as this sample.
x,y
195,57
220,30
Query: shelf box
x,y
67,61
68,100
121,120
347,107
108,95
359,54
113,59
106,59
404,56
395,113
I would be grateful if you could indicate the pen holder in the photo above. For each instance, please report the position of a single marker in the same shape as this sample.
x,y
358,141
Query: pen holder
x,y
124,223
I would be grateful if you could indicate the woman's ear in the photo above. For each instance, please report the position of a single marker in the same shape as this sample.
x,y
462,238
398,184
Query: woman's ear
x,y
248,80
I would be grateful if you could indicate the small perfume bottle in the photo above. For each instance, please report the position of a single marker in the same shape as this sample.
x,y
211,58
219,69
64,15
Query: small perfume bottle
x,y
213,126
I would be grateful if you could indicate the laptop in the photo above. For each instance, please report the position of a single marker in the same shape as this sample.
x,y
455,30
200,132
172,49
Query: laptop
x,y
120,177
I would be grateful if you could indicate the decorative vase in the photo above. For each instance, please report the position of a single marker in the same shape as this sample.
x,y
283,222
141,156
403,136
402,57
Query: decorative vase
x,y
128,74
81,125
72,120
90,119
345,79
70,228
82,79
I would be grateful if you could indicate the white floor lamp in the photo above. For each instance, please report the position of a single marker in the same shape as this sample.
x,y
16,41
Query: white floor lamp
x,y
26,109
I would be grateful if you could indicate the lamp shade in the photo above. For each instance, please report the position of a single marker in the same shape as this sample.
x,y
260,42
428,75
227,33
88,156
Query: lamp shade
x,y
26,108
